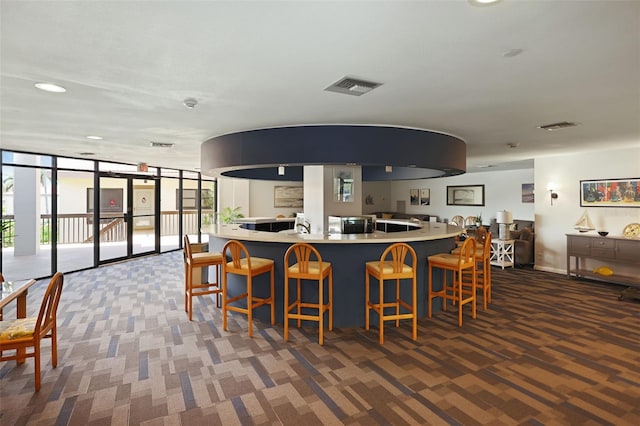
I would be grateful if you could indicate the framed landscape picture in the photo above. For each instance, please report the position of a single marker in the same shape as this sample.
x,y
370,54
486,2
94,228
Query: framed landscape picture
x,y
465,195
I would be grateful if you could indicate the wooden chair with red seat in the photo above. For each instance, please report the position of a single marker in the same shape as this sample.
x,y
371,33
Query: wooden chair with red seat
x,y
392,266
309,266
483,264
24,333
458,264
243,264
199,260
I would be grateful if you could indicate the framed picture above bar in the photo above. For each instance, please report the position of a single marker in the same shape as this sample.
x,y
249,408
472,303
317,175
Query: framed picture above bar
x,y
610,193
465,195
288,196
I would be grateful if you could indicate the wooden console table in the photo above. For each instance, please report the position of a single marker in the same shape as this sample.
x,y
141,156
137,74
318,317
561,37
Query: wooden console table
x,y
611,251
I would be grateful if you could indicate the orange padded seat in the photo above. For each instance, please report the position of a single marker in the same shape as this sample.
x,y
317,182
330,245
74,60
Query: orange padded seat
x,y
198,260
392,266
243,264
24,333
308,266
458,264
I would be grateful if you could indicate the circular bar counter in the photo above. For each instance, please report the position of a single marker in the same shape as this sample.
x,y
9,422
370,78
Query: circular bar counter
x,y
347,253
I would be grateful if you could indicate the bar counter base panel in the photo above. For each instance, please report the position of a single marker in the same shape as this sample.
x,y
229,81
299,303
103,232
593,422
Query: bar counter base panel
x,y
348,263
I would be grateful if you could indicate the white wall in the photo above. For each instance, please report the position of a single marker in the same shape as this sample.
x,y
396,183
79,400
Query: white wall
x,y
380,196
553,222
503,191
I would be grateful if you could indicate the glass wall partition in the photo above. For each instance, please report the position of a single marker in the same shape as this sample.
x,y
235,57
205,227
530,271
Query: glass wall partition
x,y
169,213
53,219
26,216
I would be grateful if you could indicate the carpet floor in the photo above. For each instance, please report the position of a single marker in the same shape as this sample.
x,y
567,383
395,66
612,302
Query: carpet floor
x,y
549,351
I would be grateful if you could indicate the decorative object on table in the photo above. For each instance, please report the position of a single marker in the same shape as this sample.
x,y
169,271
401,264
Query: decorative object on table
x,y
610,193
528,195
632,230
465,195
584,224
479,220
603,270
504,219
603,233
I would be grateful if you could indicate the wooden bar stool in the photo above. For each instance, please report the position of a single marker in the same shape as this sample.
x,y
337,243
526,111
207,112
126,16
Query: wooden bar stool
x,y
458,264
391,266
308,266
483,264
198,260
243,264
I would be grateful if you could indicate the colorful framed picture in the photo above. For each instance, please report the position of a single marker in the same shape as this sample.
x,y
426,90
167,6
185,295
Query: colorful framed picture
x,y
610,193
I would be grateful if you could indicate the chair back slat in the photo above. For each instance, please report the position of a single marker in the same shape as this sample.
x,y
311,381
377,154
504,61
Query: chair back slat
x,y
304,253
467,251
398,253
187,248
49,307
238,251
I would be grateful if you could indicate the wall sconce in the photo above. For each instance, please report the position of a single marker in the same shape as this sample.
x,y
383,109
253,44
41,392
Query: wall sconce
x,y
388,169
552,192
280,170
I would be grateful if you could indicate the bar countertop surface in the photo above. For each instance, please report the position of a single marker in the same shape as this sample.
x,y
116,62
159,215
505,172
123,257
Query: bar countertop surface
x,y
427,231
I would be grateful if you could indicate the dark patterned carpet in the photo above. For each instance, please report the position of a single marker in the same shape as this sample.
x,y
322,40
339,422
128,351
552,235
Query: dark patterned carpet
x,y
549,351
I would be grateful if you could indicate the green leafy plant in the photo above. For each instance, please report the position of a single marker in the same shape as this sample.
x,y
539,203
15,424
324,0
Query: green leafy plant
x,y
228,215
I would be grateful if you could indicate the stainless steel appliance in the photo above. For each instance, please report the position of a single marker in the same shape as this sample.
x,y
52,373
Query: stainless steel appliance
x,y
351,224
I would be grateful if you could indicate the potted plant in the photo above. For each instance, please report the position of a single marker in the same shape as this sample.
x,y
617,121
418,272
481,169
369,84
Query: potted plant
x,y
228,215
479,220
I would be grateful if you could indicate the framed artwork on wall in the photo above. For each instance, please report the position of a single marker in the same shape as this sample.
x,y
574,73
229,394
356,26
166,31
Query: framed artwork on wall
x,y
610,193
425,197
288,196
527,193
465,195
414,197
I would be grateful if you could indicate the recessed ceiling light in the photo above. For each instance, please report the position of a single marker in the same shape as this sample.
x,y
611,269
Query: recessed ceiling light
x,y
485,166
95,138
50,87
483,2
86,154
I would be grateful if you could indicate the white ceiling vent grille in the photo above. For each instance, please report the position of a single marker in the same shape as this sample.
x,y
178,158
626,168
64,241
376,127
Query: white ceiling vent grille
x,y
161,144
352,86
558,126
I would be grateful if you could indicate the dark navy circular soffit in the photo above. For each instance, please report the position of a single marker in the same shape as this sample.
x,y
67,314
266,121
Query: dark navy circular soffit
x,y
411,153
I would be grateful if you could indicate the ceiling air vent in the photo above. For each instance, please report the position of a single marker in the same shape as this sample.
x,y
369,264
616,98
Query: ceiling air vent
x,y
557,126
161,144
352,86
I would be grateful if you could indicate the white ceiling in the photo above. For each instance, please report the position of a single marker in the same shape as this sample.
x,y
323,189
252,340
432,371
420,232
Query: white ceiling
x,y
127,67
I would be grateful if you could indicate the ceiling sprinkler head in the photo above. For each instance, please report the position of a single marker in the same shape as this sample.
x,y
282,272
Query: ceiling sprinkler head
x,y
190,103
513,145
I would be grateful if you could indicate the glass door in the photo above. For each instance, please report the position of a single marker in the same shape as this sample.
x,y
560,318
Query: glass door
x,y
126,225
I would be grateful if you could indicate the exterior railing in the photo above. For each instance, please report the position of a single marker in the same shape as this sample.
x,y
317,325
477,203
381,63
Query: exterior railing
x,y
78,228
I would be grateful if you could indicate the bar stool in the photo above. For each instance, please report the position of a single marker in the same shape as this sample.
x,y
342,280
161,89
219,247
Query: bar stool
x,y
464,261
483,264
307,269
243,264
393,269
191,289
